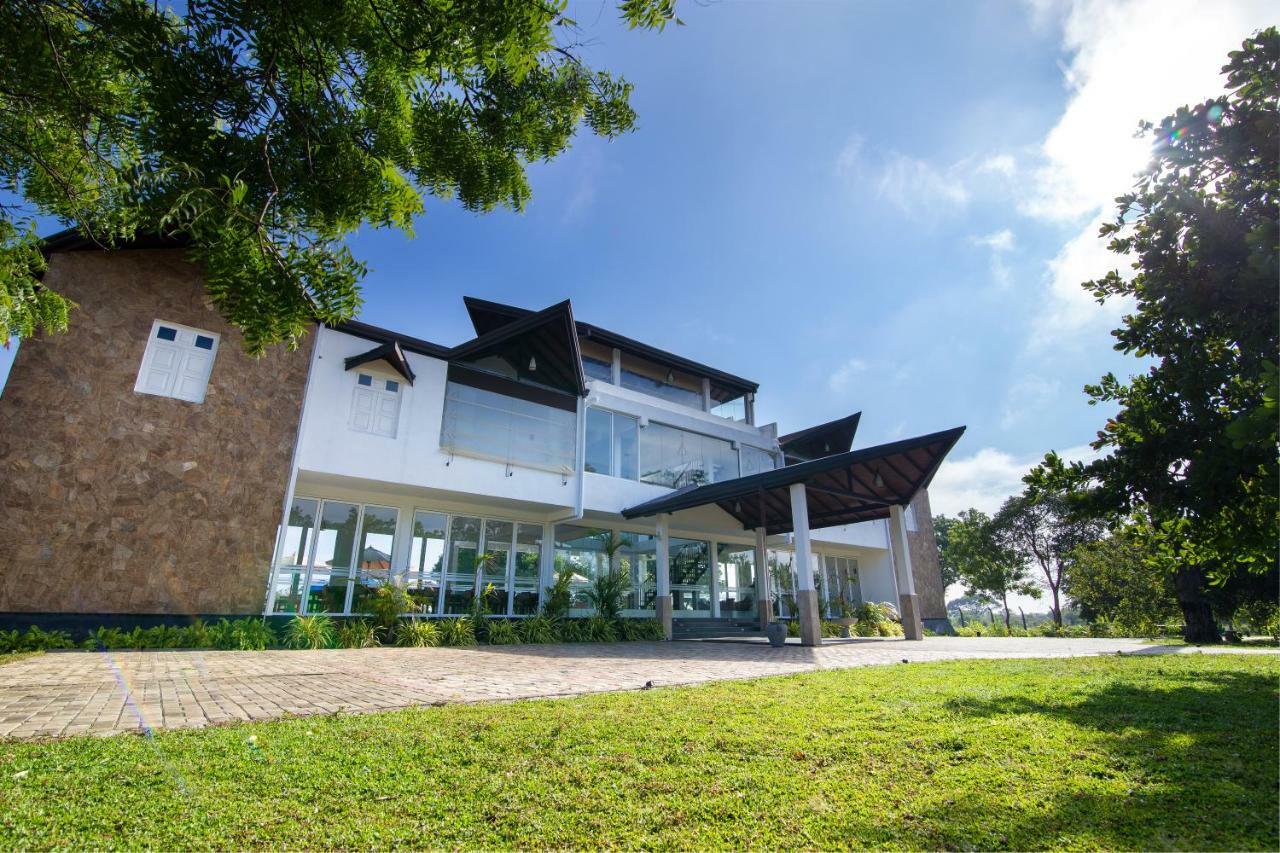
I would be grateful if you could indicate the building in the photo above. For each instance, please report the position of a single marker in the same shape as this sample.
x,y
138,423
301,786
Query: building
x,y
149,468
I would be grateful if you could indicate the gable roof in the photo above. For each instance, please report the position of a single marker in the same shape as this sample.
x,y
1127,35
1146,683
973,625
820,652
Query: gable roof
x,y
844,488
549,337
389,352
487,316
821,440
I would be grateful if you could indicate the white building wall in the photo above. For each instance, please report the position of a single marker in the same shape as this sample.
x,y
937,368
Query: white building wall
x,y
413,457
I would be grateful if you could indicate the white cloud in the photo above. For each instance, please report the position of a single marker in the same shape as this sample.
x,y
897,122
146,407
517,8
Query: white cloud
x,y
1000,241
984,480
998,164
844,374
916,187
1027,396
1129,61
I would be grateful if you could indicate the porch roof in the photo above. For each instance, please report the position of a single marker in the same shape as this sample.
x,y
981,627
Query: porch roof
x,y
844,488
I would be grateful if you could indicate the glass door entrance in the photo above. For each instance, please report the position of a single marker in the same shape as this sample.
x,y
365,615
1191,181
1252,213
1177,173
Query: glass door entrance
x,y
736,581
690,578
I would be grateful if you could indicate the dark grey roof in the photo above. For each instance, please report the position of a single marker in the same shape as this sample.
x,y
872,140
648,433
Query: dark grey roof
x,y
821,440
844,488
389,352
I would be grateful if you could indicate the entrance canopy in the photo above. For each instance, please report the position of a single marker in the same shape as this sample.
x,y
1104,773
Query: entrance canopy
x,y
844,488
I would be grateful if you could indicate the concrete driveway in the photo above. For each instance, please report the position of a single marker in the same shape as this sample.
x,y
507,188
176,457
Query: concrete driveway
x,y
68,693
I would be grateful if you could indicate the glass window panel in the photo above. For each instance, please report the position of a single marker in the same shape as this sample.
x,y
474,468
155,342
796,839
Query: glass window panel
x,y
734,410
582,550
460,577
289,583
297,536
599,458
204,342
677,458
737,576
377,544
639,559
495,426
527,569
626,443
690,576
365,379
495,564
782,583
164,333
754,460
597,360
335,546
392,385
426,560
650,378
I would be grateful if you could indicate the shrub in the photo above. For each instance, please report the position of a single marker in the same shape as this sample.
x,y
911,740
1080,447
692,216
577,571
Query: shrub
x,y
10,641
196,636
572,631
539,629
652,630
831,629
252,635
889,629
387,604
793,628
309,632
502,633
418,633
357,634
458,632
559,595
599,629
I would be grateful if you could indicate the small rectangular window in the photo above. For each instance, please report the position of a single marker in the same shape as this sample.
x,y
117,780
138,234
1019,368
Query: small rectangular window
x,y
177,362
392,385
365,380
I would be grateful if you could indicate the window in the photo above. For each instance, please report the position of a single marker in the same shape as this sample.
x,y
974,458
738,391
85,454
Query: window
x,y
582,551
426,560
519,432
736,568
734,410
612,444
754,460
177,362
659,381
841,576
375,406
597,360
782,580
676,458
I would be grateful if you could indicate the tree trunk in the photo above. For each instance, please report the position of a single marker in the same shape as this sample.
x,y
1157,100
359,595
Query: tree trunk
x,y
1004,599
1057,606
1199,624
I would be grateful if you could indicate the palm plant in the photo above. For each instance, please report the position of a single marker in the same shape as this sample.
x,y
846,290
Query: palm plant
x,y
309,632
609,588
418,633
357,634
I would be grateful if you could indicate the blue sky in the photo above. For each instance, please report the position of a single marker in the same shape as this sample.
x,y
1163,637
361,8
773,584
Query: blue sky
x,y
877,207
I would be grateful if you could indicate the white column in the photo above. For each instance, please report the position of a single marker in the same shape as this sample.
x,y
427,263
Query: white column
x,y
662,602
908,603
547,559
806,595
764,599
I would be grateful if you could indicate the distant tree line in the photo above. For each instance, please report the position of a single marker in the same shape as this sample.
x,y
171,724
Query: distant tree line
x,y
1176,521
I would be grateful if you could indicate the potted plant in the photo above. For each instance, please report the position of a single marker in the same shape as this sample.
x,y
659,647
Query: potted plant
x,y
846,619
777,633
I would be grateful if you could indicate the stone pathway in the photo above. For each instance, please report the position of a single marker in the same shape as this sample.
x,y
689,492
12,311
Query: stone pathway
x,y
69,693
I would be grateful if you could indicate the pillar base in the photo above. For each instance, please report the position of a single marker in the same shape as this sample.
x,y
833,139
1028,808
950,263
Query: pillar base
x,y
810,617
909,608
766,612
662,611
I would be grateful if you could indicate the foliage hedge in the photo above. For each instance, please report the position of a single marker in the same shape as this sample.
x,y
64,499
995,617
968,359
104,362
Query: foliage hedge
x,y
314,632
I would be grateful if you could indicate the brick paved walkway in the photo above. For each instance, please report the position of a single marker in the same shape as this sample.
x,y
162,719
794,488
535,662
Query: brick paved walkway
x,y
67,693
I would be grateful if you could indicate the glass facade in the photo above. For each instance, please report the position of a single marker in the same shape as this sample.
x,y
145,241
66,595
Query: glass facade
x,y
782,582
842,587
690,576
582,550
736,577
612,443
505,429
426,560
754,460
658,381
373,561
677,458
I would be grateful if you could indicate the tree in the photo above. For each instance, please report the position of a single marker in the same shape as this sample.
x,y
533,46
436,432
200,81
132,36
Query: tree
x,y
989,570
1191,454
1043,531
942,535
1115,579
262,134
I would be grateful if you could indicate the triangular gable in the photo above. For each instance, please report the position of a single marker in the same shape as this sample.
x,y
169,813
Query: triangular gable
x,y
821,440
389,352
539,349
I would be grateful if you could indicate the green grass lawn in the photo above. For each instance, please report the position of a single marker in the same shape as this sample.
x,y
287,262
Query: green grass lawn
x,y
1152,753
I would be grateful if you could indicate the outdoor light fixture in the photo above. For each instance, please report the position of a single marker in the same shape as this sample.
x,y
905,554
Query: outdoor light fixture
x,y
533,364
671,378
879,480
